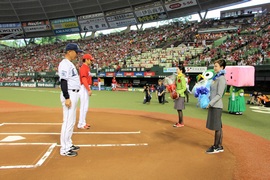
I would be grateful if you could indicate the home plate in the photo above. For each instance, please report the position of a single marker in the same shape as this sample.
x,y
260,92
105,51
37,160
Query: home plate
x,y
12,138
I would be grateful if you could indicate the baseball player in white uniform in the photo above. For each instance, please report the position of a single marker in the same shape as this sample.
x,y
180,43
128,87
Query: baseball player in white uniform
x,y
70,86
85,90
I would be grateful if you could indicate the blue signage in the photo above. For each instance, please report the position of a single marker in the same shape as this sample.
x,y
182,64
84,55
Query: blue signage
x,y
102,74
119,74
10,25
138,73
67,31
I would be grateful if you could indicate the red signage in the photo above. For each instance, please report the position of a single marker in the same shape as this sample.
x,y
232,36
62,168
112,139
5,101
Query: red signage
x,y
176,5
149,73
109,74
128,73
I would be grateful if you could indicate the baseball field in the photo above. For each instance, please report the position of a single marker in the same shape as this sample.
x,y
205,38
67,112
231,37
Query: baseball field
x,y
128,139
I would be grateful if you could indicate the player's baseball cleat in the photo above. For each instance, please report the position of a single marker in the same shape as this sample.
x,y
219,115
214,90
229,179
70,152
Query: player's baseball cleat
x,y
178,125
74,148
84,127
70,153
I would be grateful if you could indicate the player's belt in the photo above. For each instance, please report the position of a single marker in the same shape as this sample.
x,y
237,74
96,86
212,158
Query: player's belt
x,y
75,90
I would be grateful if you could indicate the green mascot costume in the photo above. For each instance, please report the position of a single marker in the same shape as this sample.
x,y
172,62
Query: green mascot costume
x,y
237,103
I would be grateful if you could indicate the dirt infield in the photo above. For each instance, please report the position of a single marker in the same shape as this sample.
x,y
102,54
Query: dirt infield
x,y
126,145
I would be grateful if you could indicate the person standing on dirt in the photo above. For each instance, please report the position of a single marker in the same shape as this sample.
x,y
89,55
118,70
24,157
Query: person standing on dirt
x,y
217,89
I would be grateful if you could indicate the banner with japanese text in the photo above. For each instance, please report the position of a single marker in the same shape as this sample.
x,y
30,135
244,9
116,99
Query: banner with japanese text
x,y
93,22
121,17
65,26
150,12
34,26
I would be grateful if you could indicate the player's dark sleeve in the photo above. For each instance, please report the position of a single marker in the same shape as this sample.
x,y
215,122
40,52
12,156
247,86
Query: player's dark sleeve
x,y
64,88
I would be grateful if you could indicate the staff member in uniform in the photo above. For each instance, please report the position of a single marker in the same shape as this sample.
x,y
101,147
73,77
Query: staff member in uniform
x,y
85,90
70,86
217,89
160,92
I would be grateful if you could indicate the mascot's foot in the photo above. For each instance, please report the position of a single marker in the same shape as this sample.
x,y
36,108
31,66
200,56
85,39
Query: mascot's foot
x,y
236,113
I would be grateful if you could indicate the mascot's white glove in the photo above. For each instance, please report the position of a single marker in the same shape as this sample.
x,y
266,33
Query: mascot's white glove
x,y
241,94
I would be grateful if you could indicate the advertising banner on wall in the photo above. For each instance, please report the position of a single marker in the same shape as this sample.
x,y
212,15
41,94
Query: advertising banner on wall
x,y
150,12
67,31
119,74
35,26
149,74
10,84
10,28
138,73
92,22
128,73
188,69
109,74
170,6
120,18
65,26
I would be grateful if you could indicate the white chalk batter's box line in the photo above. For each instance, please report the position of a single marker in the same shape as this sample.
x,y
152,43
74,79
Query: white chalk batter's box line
x,y
82,133
54,133
52,146
40,161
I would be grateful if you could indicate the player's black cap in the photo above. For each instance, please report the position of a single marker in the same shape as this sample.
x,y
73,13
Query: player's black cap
x,y
73,46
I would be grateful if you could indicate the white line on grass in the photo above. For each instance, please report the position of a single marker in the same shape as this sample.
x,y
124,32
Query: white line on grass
x,y
34,90
42,91
53,133
265,112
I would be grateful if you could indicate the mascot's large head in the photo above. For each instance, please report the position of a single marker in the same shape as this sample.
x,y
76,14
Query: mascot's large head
x,y
204,78
209,74
240,76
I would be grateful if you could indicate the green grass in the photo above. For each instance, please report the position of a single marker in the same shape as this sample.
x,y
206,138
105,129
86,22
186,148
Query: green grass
x,y
256,123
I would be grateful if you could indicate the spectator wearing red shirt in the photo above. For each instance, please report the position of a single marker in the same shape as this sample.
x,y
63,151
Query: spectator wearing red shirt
x,y
85,90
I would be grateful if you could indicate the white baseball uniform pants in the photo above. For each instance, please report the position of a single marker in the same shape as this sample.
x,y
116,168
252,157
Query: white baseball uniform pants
x,y
84,104
69,119
99,86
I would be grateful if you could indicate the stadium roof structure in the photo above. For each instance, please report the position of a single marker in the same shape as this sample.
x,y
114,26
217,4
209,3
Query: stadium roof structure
x,y
38,18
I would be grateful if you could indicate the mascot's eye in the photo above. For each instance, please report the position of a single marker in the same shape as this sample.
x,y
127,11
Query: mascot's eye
x,y
208,75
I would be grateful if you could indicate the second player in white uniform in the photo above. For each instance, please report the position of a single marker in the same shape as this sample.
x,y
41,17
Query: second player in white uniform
x,y
70,86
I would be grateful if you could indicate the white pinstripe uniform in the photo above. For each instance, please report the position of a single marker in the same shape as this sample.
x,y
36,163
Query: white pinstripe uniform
x,y
68,72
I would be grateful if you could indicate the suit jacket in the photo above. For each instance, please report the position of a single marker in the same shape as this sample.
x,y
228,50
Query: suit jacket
x,y
217,90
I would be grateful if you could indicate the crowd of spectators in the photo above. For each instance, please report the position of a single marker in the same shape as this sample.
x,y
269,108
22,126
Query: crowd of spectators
x,y
114,50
